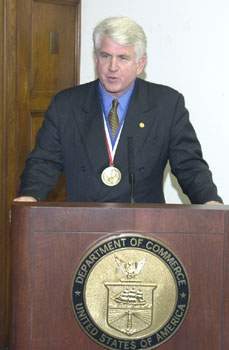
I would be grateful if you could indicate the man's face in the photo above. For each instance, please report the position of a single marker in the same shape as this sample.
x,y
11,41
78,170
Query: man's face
x,y
117,67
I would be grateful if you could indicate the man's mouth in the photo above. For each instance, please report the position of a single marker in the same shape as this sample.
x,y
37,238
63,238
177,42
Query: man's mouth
x,y
112,78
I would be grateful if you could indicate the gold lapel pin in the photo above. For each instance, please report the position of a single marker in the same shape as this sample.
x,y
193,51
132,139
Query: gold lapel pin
x,y
142,125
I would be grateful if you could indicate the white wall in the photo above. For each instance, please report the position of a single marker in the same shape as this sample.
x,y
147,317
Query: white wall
x,y
188,49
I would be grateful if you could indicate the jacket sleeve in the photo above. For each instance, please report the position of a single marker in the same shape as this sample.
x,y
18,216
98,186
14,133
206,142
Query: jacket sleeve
x,y
45,163
186,159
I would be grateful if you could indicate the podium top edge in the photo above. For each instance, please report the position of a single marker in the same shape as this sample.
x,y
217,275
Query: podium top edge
x,y
93,205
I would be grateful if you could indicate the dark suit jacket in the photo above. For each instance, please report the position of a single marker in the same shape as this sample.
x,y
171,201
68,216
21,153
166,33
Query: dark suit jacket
x,y
72,137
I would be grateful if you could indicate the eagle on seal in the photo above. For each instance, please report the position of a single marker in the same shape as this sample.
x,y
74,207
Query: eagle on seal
x,y
130,270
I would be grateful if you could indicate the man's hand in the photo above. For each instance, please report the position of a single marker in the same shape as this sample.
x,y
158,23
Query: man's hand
x,y
25,199
214,202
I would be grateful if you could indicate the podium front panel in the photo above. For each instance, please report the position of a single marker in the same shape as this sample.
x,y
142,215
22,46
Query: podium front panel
x,y
49,241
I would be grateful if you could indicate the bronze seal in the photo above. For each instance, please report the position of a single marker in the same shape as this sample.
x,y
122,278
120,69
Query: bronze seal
x,y
130,292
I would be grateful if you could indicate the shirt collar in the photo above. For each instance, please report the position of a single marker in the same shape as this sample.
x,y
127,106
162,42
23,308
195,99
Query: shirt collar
x,y
107,99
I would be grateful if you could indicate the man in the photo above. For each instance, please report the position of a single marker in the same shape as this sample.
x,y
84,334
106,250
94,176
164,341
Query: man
x,y
148,124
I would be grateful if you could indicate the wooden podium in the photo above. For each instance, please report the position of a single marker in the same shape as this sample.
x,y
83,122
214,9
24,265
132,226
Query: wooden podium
x,y
49,240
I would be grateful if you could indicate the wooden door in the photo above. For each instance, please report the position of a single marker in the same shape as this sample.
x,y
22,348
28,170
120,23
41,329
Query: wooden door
x,y
48,52
39,56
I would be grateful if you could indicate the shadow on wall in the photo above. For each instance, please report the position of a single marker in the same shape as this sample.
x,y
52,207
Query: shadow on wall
x,y
174,183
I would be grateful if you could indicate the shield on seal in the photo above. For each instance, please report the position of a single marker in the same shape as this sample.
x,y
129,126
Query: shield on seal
x,y
130,306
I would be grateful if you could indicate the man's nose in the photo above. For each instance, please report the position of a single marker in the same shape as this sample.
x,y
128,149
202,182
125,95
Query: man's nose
x,y
113,64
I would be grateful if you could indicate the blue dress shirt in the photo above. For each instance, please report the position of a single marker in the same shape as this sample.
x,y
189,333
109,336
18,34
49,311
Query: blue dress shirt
x,y
121,110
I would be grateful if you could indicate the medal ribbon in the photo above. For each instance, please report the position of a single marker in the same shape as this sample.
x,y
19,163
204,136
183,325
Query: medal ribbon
x,y
111,150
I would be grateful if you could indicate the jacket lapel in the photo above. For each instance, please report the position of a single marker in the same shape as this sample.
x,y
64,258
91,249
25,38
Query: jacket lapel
x,y
138,124
91,127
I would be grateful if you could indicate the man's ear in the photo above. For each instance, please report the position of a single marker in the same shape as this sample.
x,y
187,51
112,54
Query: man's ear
x,y
95,58
141,64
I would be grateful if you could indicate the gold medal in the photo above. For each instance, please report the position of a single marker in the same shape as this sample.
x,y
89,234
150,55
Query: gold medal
x,y
111,176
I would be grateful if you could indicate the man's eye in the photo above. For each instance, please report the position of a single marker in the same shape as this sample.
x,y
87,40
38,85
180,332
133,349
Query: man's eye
x,y
104,56
124,58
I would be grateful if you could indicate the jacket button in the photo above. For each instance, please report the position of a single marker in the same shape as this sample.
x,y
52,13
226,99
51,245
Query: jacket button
x,y
83,169
141,169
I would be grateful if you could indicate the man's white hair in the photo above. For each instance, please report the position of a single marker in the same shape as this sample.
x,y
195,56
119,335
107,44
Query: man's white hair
x,y
123,31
